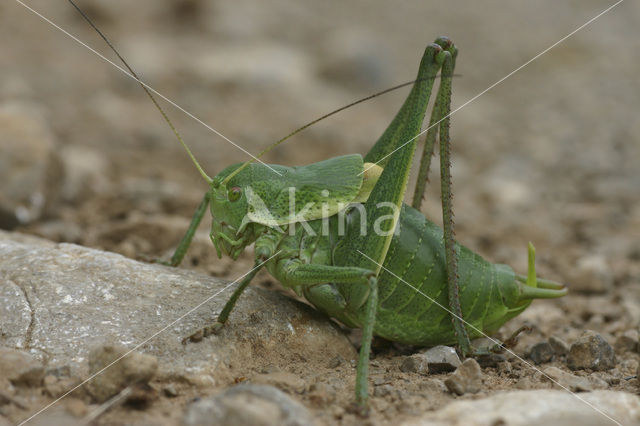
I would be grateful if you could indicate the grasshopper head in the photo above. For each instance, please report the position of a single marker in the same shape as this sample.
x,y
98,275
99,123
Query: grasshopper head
x,y
231,232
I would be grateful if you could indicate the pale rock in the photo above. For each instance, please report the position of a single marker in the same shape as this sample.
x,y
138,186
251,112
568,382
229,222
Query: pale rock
x,y
627,341
248,404
541,352
416,363
64,300
560,347
537,407
442,359
568,380
282,380
466,379
20,367
591,351
116,368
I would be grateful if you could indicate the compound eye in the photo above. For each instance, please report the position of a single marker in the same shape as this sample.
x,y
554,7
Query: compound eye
x,y
234,193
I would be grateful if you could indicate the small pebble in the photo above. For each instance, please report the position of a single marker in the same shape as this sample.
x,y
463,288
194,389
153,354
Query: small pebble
x,y
416,363
170,391
248,404
269,369
490,360
627,342
629,364
49,380
61,386
337,411
432,384
383,390
466,379
282,380
485,344
560,347
598,383
335,361
322,394
504,367
201,381
62,371
441,359
134,368
20,367
568,380
610,380
591,351
380,381
525,383
76,407
592,275
541,352
142,395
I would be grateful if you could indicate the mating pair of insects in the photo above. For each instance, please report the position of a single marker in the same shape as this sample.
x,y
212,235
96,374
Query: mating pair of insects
x,y
353,249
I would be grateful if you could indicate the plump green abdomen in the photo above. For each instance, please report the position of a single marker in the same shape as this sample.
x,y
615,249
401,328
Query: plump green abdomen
x,y
416,255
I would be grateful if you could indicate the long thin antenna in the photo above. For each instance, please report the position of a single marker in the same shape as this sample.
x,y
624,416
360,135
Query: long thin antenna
x,y
153,99
266,150
327,115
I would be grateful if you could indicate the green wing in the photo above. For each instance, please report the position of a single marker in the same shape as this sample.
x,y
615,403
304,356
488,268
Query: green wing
x,y
321,190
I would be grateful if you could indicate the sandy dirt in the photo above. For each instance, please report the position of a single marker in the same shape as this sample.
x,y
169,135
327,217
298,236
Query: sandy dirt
x,y
550,155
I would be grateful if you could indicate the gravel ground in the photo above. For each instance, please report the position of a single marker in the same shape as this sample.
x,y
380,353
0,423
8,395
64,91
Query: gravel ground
x,y
550,155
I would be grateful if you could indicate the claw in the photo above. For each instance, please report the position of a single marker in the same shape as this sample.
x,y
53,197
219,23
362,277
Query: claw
x,y
203,332
444,42
360,409
512,340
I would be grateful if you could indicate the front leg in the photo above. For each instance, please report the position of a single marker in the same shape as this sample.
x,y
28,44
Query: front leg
x,y
226,310
265,247
185,242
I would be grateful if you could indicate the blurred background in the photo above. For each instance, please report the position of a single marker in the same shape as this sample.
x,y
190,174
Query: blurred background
x,y
549,156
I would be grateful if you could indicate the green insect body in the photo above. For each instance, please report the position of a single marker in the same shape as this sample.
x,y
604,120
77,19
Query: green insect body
x,y
338,232
490,294
388,271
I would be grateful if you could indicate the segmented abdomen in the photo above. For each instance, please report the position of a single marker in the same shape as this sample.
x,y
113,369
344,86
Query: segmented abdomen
x,y
412,286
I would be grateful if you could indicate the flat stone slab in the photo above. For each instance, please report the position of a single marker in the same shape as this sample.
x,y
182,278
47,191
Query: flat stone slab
x,y
538,407
60,300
